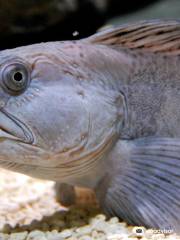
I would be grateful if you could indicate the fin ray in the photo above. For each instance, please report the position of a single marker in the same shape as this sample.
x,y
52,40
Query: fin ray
x,y
161,36
144,185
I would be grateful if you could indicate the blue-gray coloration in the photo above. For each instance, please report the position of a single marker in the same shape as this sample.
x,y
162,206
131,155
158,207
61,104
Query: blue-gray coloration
x,y
102,113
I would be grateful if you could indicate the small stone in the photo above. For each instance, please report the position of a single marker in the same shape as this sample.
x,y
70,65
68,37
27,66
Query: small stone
x,y
86,237
18,236
54,236
84,230
94,234
7,228
66,233
4,236
101,217
36,235
72,238
114,220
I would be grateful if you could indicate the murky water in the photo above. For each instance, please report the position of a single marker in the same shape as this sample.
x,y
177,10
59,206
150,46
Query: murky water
x,y
166,9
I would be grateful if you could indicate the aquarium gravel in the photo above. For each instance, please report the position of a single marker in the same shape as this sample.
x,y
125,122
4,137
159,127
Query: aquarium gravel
x,y
29,211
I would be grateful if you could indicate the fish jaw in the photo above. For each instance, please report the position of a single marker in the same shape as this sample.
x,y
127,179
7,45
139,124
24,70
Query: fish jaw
x,y
13,128
84,169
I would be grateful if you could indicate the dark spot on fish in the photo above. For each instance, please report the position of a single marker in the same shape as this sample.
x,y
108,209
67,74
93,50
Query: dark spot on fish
x,y
68,72
80,77
165,57
74,41
75,65
81,55
84,135
81,93
80,47
69,47
89,75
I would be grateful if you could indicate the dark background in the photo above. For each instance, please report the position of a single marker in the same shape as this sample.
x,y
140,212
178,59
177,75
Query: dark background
x,y
32,21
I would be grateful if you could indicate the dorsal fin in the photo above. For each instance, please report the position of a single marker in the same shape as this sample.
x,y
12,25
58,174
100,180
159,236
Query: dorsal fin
x,y
161,36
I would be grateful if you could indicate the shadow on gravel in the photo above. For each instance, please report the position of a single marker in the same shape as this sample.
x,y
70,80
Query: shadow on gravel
x,y
76,216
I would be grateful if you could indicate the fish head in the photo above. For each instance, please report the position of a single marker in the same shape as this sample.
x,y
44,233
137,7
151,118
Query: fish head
x,y
50,119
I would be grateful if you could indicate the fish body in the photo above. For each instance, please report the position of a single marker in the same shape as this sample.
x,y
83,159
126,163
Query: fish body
x,y
103,113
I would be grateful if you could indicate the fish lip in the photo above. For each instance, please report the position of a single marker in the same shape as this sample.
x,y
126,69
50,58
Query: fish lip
x,y
25,135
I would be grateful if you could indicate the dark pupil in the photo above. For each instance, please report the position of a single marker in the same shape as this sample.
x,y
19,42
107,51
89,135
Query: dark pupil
x,y
18,76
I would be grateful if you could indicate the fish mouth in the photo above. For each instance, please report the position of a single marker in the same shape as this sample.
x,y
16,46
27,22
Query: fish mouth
x,y
14,129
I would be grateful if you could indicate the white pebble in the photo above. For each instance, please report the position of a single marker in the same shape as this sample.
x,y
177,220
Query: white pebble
x,y
114,220
36,235
66,233
18,236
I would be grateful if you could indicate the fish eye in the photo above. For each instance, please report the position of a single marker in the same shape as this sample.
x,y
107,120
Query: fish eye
x,y
15,77
18,76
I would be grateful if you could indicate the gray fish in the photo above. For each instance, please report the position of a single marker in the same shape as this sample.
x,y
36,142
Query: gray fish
x,y
101,113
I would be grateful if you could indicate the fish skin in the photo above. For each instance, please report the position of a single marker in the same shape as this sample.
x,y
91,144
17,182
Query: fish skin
x,y
57,61
103,113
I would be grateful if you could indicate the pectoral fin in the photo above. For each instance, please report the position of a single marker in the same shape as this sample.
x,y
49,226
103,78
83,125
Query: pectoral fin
x,y
143,183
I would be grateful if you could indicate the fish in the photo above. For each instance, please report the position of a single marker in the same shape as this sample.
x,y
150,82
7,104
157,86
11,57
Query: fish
x,y
101,113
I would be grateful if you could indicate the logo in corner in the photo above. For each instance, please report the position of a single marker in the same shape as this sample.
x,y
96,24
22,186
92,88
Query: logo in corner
x,y
139,231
